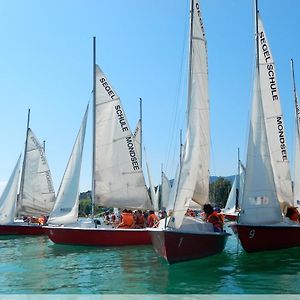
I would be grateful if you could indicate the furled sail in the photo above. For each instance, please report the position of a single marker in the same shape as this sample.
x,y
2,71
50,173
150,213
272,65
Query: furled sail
x,y
118,177
193,181
37,197
66,206
8,198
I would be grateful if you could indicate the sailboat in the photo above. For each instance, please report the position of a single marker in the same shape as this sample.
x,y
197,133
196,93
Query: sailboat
x,y
267,187
231,209
117,179
36,193
179,238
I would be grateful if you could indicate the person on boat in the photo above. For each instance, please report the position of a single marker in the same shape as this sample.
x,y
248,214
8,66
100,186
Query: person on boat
x,y
152,219
293,214
106,218
42,220
127,220
139,219
213,217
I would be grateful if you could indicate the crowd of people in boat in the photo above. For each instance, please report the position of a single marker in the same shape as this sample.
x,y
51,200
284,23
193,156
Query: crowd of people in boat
x,y
138,219
134,219
141,219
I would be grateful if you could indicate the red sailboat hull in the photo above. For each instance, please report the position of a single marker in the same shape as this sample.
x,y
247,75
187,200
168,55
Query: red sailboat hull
x,y
180,246
268,237
25,229
98,236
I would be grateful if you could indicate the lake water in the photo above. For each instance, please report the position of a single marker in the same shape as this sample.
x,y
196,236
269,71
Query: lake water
x,y
34,265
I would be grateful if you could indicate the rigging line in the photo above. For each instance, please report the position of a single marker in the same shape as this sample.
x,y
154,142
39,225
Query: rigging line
x,y
173,129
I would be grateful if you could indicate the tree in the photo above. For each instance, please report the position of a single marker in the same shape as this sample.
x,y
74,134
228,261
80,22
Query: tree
x,y
219,191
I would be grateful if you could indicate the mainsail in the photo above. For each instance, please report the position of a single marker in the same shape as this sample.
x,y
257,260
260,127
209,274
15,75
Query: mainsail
x,y
193,180
8,198
267,177
273,118
65,210
118,177
37,193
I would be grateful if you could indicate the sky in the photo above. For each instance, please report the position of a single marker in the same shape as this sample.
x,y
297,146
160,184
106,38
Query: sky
x,y
46,65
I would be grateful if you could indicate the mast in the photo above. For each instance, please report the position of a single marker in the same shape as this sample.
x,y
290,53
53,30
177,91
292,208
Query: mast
x,y
94,124
297,116
256,29
190,54
24,161
141,141
237,192
295,94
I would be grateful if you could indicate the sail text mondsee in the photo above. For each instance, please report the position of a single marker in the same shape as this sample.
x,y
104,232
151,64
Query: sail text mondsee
x,y
281,138
132,154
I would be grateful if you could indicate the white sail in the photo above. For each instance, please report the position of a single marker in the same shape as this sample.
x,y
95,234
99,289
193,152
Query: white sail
x,y
260,203
194,170
154,196
66,206
118,177
274,119
8,198
165,191
37,192
236,192
137,139
231,201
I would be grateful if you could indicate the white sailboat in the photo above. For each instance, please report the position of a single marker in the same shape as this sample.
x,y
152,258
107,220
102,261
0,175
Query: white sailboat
x,y
36,193
117,180
182,238
262,225
236,194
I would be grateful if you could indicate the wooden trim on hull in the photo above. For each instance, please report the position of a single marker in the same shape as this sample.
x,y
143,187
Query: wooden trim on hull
x,y
261,238
98,236
177,246
26,229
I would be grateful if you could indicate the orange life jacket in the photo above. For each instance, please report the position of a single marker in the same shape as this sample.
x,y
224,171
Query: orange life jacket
x,y
216,220
127,220
152,220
